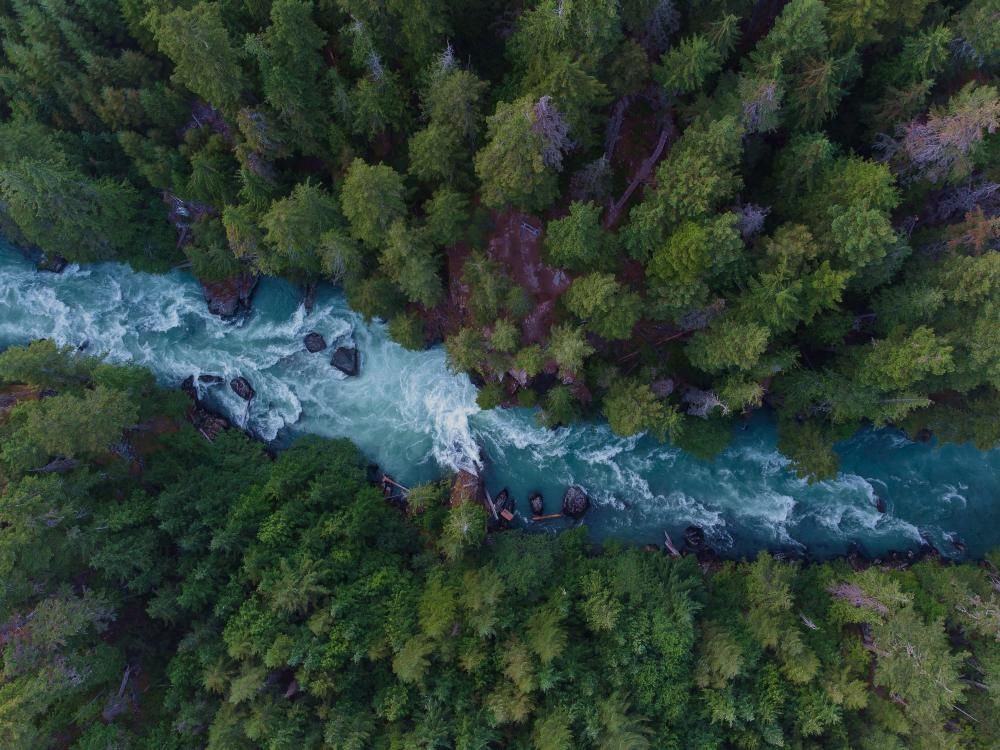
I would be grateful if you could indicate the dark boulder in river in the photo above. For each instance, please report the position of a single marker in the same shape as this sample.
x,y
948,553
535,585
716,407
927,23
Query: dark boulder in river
x,y
314,342
345,359
53,263
503,501
536,503
575,502
309,297
228,297
187,386
694,536
242,388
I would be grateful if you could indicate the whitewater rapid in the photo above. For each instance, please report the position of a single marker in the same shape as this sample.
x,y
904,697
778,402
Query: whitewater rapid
x,y
413,416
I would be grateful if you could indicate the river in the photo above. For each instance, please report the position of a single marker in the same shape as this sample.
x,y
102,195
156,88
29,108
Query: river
x,y
410,414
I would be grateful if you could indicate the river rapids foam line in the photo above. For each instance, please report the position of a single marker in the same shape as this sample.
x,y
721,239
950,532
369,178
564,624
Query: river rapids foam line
x,y
411,414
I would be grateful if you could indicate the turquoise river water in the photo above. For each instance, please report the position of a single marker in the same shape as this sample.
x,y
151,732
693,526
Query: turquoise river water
x,y
417,419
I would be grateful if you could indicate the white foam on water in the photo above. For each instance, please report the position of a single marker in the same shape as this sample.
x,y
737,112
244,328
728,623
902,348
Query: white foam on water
x,y
952,496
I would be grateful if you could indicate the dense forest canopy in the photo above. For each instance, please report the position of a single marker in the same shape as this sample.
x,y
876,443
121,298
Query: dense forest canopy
x,y
667,213
163,591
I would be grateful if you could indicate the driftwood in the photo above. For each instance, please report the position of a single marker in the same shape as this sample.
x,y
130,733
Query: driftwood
x,y
669,544
549,517
643,174
490,505
807,622
57,466
394,483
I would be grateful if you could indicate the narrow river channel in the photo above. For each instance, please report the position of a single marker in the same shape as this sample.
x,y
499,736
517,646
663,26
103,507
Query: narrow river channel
x,y
417,419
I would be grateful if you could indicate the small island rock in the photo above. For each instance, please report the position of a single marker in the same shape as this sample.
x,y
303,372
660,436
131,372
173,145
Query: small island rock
x,y
345,359
694,536
314,342
575,502
230,296
242,388
503,501
536,503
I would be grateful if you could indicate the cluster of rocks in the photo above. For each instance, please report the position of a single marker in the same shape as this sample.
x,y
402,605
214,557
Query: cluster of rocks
x,y
206,421
345,358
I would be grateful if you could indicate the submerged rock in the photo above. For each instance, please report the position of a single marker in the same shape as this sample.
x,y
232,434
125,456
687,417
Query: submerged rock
x,y
575,502
314,342
242,388
880,504
230,296
345,359
536,503
210,379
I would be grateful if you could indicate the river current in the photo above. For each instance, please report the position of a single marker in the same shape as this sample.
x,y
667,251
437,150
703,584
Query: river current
x,y
415,418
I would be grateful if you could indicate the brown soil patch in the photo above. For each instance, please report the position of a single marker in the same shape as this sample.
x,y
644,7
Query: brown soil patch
x,y
12,395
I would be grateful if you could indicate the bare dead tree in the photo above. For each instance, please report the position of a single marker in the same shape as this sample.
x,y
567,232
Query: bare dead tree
x,y
702,403
935,147
750,220
853,594
961,199
615,125
662,24
592,182
551,125
696,320
642,174
761,106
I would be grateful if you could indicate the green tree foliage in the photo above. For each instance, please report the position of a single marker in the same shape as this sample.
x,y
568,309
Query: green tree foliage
x,y
604,306
578,242
511,166
409,259
58,208
203,52
300,235
569,348
791,205
236,582
685,67
631,407
372,199
292,71
452,106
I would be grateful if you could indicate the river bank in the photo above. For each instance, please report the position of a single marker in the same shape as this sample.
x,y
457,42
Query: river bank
x,y
412,416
